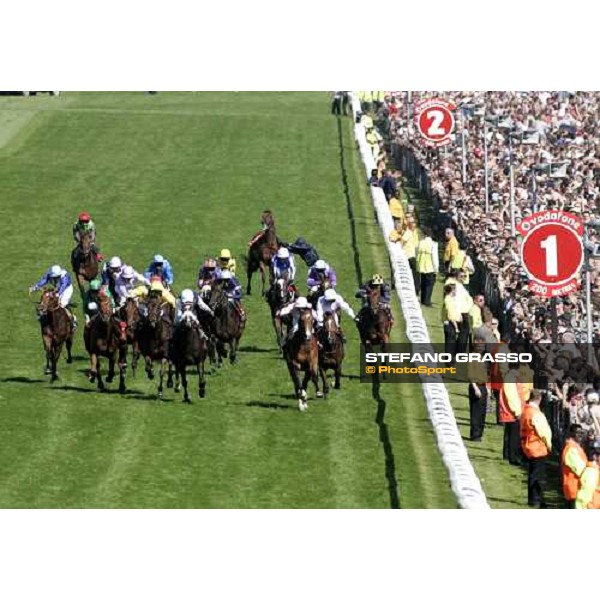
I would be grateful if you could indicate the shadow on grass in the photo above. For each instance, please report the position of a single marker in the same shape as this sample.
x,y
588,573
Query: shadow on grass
x,y
135,394
269,405
23,380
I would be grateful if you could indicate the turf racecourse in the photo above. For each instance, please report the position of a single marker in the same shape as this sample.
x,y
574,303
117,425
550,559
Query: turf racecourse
x,y
185,175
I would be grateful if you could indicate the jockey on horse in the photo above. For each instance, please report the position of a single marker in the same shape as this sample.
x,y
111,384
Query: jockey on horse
x,y
233,289
208,274
160,267
226,261
333,302
320,277
60,280
294,308
93,297
157,289
130,284
84,224
385,297
282,263
186,303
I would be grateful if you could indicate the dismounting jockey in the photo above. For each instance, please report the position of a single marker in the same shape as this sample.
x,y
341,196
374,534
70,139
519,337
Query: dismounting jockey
x,y
283,262
186,303
160,267
333,302
233,289
92,297
130,284
385,296
209,273
226,261
58,277
304,250
301,303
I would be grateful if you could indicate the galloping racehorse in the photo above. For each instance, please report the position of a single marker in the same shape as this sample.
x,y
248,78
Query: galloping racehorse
x,y
331,351
84,262
130,314
57,330
261,252
277,297
154,334
188,347
302,355
106,335
374,322
228,325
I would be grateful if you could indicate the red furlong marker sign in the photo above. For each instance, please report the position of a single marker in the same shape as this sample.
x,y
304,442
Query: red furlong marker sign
x,y
435,120
552,252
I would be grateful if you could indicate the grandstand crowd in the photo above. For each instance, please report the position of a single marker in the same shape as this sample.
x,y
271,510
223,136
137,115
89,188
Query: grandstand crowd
x,y
549,144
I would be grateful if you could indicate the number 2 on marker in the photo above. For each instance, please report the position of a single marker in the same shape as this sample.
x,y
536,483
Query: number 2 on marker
x,y
549,246
437,117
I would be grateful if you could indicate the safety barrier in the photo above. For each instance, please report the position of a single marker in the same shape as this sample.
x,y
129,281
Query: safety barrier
x,y
465,483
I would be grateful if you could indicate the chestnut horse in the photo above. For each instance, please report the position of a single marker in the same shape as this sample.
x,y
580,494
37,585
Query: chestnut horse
x,y
301,354
262,250
84,262
106,335
57,330
130,313
331,351
277,297
375,322
228,326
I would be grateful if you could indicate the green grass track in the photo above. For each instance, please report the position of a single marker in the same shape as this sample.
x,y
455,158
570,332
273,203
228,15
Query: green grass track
x,y
185,174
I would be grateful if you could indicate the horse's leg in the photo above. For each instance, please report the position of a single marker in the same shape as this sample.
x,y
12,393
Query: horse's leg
x,y
122,371
323,373
177,380
54,354
47,342
149,367
161,376
249,272
186,395
111,369
201,378
99,374
261,266
338,375
170,375
69,346
314,371
233,346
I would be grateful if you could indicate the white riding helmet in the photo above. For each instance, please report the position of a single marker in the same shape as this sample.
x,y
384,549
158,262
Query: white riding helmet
x,y
330,295
159,259
55,271
283,253
302,302
115,263
320,265
187,296
226,274
127,272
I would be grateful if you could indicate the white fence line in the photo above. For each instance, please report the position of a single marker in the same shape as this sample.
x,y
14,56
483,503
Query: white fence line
x,y
465,483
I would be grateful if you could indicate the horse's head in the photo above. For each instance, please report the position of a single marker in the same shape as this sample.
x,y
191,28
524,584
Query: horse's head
x,y
188,320
155,311
306,322
48,302
267,219
373,298
281,287
105,308
206,293
86,243
330,327
131,311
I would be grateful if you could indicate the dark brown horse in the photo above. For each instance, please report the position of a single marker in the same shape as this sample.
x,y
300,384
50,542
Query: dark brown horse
x,y
57,330
375,322
228,324
262,251
154,333
301,354
331,351
130,314
188,347
84,262
106,335
277,297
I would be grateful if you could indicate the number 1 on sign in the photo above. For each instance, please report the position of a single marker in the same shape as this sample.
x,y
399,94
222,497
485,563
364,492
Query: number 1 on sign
x,y
549,246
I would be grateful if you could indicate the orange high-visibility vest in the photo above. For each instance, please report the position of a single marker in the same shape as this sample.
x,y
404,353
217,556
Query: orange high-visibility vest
x,y
495,374
533,445
505,415
570,481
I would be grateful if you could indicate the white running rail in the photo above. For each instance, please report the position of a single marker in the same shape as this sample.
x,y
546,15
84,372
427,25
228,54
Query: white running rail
x,y
465,483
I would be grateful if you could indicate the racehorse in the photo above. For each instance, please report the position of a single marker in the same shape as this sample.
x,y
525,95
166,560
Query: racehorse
x,y
106,335
228,325
261,252
313,297
130,314
57,330
153,334
278,295
84,261
301,354
375,323
207,325
331,351
188,347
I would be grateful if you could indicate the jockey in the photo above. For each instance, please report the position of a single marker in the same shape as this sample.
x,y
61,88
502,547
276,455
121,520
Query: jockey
x,y
60,280
319,273
162,267
295,307
304,250
226,261
186,303
333,302
158,289
84,224
385,297
233,289
92,297
208,273
111,272
130,283
258,236
281,262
